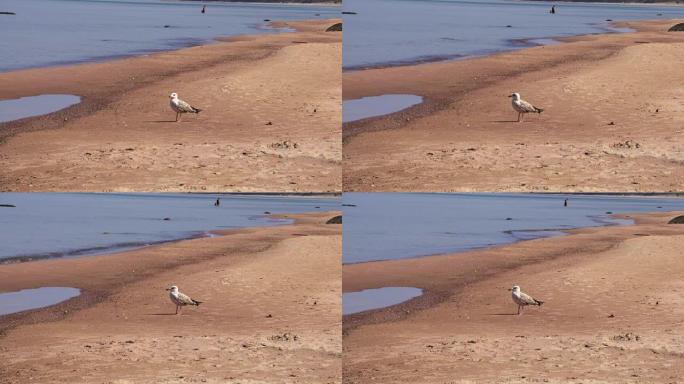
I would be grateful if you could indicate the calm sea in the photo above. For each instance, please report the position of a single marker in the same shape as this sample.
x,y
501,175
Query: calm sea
x,y
49,32
396,32
78,224
382,226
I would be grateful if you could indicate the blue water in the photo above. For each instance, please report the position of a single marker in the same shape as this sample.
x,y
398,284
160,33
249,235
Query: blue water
x,y
20,108
395,32
72,224
12,302
47,32
357,109
386,226
354,302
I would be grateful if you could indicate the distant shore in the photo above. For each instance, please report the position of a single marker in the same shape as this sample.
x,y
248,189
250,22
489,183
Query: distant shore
x,y
465,129
263,295
603,287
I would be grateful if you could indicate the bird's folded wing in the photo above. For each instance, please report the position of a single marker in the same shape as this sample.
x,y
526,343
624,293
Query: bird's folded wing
x,y
183,106
527,106
527,299
185,299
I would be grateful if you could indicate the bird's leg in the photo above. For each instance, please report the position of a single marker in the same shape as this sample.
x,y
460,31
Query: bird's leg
x,y
519,116
518,309
176,309
177,116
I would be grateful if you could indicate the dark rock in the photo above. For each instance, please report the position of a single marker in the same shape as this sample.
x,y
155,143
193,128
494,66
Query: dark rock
x,y
166,219
267,19
348,13
335,28
335,220
349,205
677,28
7,13
677,220
8,206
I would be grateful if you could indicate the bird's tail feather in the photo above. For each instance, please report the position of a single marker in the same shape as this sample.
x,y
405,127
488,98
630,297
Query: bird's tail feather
x,y
539,110
197,303
539,302
196,110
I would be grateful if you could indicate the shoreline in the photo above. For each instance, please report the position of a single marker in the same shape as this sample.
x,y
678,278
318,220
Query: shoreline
x,y
221,72
463,127
461,322
243,256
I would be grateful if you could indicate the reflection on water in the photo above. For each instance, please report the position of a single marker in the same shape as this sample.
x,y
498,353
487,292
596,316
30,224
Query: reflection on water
x,y
15,109
13,302
354,302
365,107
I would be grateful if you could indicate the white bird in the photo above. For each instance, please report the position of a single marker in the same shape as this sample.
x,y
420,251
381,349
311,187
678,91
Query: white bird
x,y
179,106
180,299
523,299
521,106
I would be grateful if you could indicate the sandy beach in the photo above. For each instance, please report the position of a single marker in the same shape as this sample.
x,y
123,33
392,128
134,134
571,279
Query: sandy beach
x,y
270,119
612,119
270,312
612,313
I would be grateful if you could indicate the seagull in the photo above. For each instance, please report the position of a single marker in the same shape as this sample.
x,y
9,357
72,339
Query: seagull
x,y
180,299
521,106
179,106
523,299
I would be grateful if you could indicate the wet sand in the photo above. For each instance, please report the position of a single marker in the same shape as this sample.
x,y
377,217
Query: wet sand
x,y
612,120
270,119
270,312
612,313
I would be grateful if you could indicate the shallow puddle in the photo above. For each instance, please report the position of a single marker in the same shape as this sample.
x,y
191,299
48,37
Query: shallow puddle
x,y
15,109
13,302
366,107
354,302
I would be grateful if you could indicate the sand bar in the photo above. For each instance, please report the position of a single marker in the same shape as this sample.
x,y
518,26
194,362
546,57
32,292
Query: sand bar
x,y
271,312
270,121
612,314
612,120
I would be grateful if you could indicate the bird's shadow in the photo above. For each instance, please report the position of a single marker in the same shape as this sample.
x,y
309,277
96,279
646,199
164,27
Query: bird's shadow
x,y
161,121
161,314
505,121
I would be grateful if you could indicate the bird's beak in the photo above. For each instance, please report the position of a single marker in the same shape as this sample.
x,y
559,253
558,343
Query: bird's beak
x,y
510,96
168,289
510,289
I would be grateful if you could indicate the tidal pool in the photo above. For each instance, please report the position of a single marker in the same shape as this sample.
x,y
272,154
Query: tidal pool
x,y
13,302
15,109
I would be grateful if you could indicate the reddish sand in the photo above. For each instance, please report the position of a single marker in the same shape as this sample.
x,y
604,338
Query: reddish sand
x,y
270,312
614,303
613,119
270,119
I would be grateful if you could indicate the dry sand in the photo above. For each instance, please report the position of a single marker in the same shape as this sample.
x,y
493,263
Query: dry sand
x,y
613,119
271,312
614,304
270,122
